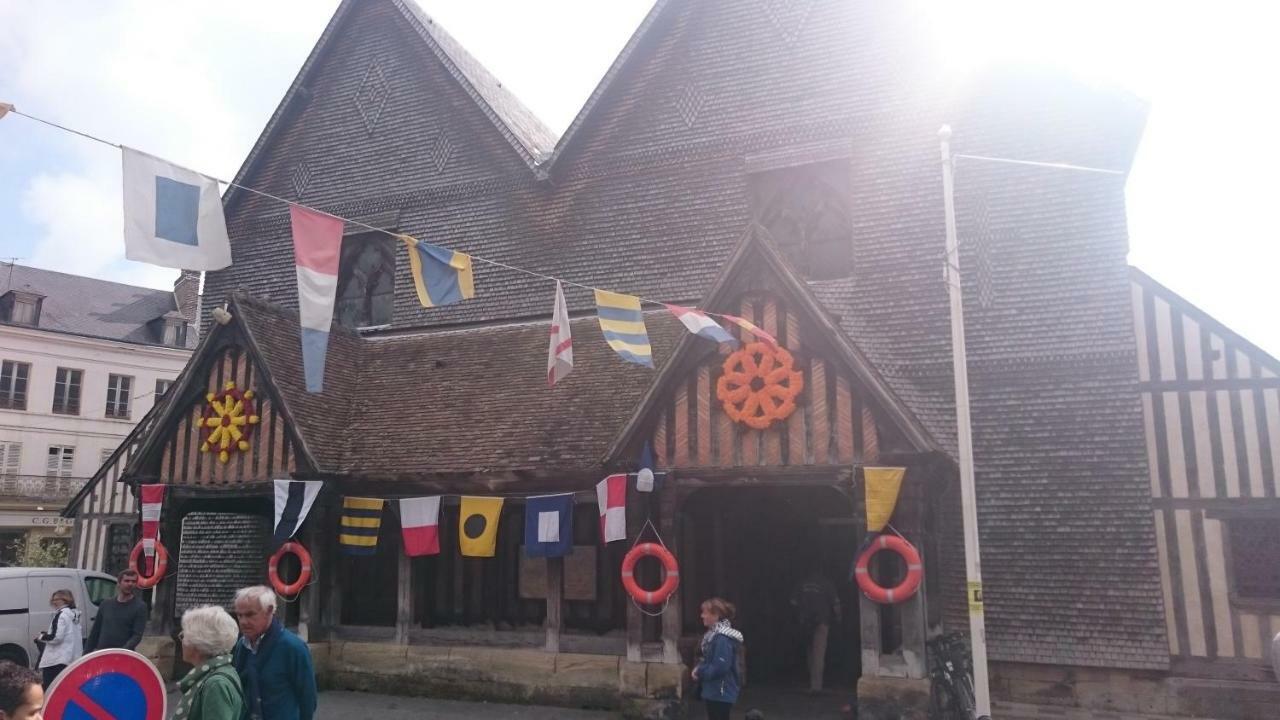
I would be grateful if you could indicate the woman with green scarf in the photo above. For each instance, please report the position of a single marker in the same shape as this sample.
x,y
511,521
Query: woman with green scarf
x,y
211,691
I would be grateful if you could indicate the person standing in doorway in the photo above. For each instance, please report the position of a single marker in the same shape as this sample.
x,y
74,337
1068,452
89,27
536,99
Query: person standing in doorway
x,y
121,619
718,672
274,664
817,606
63,641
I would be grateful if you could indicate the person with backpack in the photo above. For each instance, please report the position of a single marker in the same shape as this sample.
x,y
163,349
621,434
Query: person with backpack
x,y
817,607
720,672
63,642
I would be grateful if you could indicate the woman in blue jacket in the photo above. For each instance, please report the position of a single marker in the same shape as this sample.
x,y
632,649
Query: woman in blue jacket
x,y
717,672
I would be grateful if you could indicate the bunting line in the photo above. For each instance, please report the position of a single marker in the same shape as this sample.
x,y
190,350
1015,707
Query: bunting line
x,y
397,235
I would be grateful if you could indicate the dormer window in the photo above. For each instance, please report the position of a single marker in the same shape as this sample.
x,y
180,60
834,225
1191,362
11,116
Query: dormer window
x,y
175,333
21,308
366,281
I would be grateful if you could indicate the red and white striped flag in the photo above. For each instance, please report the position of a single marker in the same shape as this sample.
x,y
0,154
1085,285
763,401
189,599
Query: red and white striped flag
x,y
611,495
560,353
420,525
152,500
754,329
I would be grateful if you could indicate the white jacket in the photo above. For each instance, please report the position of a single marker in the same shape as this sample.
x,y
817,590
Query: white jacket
x,y
68,639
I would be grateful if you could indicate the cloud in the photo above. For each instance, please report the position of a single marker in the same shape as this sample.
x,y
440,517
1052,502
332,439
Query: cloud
x,y
189,82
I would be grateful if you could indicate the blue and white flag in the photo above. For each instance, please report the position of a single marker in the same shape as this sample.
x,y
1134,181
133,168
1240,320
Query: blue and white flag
x,y
548,525
172,215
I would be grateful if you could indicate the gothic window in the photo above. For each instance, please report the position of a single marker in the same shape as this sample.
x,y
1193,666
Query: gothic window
x,y
366,281
806,210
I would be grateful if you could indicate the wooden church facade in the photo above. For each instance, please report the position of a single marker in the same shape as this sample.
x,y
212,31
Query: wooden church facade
x,y
776,161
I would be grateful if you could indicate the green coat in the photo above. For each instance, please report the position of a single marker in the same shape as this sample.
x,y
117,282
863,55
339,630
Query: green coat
x,y
211,691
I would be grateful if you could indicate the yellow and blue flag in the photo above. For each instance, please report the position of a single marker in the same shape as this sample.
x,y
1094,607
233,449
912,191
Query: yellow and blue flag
x,y
441,276
361,520
623,326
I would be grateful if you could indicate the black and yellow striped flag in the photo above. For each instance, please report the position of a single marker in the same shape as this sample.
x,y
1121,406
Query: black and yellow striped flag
x,y
361,519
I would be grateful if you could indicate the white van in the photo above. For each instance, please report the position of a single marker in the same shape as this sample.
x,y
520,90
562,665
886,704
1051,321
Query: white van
x,y
24,604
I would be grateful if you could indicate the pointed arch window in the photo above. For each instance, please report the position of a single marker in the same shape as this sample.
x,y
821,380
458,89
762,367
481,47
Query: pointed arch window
x,y
366,281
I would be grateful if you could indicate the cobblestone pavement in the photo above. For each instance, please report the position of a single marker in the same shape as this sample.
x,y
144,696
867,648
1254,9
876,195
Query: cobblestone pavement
x,y
1015,711
339,705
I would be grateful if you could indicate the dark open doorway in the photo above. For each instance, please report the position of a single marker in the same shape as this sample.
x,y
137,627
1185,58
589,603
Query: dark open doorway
x,y
754,546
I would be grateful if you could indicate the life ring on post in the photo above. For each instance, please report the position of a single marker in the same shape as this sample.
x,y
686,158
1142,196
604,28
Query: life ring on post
x,y
162,564
669,566
304,575
905,589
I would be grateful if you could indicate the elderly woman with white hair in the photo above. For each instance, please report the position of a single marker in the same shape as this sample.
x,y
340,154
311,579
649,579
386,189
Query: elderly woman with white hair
x,y
211,691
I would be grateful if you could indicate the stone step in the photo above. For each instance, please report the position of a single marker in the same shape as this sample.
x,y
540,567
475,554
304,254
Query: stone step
x,y
1021,711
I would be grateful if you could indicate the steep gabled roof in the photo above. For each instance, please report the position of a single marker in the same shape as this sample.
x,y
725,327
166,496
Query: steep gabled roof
x,y
527,135
1255,353
756,246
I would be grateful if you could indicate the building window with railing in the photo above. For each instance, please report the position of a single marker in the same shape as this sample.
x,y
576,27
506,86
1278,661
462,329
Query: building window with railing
x,y
61,460
10,463
118,389
13,384
66,391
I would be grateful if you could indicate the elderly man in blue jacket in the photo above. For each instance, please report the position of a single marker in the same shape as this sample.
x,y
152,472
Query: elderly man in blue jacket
x,y
274,664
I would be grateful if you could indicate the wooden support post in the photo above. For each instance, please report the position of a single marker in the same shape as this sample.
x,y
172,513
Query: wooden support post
x,y
404,598
869,615
164,598
635,631
555,602
671,619
332,515
310,624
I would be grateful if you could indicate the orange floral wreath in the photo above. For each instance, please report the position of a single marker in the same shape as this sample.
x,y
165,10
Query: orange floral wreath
x,y
759,385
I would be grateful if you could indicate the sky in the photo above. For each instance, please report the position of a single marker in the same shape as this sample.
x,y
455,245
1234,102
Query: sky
x,y
195,82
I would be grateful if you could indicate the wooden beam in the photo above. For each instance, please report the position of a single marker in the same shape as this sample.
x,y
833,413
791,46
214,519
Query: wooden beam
x,y
555,602
869,619
671,618
404,598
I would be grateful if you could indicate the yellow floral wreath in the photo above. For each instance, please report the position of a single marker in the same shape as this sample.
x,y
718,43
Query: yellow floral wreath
x,y
759,385
227,421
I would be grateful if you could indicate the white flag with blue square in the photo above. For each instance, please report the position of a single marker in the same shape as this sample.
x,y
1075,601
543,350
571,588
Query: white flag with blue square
x,y
548,525
172,215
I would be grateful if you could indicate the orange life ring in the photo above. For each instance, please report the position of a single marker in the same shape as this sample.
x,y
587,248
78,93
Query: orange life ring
x,y
670,568
162,563
304,576
905,589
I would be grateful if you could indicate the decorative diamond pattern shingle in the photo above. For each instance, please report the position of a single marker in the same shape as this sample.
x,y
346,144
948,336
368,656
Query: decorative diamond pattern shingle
x,y
638,199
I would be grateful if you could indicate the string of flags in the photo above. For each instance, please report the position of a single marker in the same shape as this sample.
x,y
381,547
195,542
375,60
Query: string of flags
x,y
173,218
548,525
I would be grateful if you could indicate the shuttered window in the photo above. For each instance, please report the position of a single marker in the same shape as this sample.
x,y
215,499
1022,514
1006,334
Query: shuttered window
x,y
61,459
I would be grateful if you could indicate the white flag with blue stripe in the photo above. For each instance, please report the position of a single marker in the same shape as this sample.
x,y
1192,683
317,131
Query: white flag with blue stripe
x,y
172,215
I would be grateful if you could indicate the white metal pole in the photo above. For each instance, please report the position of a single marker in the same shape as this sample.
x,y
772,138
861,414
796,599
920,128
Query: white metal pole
x,y
968,497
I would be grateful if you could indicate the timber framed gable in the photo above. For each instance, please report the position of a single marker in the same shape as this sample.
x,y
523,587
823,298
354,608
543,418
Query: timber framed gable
x,y
844,411
171,452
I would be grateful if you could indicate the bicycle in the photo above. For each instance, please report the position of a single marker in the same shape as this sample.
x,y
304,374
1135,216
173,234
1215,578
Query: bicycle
x,y
951,678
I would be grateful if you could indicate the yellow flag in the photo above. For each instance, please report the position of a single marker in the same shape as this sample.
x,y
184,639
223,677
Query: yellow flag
x,y
882,486
478,526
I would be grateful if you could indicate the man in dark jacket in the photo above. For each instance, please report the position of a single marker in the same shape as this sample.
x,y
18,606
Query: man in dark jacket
x,y
274,664
121,619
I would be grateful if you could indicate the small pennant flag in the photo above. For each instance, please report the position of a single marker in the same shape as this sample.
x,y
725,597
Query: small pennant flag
x,y
560,352
317,244
881,491
294,499
420,525
152,501
701,325
478,526
172,215
753,329
441,276
361,520
5,109
548,525
611,496
623,326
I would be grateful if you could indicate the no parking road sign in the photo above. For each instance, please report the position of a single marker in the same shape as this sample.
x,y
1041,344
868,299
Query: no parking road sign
x,y
107,685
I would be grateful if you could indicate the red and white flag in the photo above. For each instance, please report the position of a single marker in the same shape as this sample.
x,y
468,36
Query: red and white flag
x,y
611,495
152,500
754,329
560,353
420,525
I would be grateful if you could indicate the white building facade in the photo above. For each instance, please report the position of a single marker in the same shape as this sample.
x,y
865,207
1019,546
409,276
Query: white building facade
x,y
81,362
